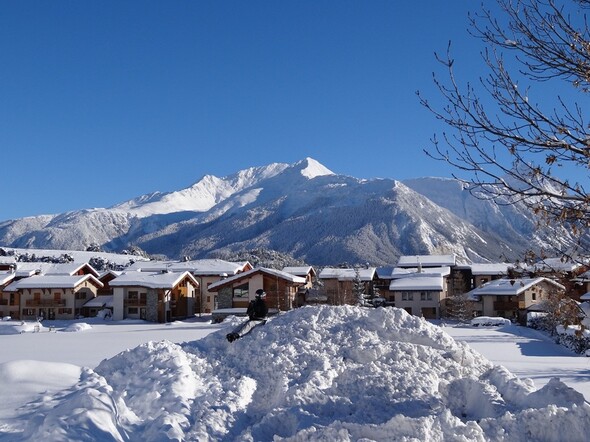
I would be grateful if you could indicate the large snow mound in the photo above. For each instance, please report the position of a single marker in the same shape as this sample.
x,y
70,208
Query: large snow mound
x,y
315,373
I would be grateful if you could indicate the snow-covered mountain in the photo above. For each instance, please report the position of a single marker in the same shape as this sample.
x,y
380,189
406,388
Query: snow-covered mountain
x,y
303,209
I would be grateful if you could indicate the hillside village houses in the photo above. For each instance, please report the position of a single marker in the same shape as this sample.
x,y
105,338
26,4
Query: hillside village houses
x,y
163,291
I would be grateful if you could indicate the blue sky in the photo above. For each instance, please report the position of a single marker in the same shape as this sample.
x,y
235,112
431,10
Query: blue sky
x,y
103,101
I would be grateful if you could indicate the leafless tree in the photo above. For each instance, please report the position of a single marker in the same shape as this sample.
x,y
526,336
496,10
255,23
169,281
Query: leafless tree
x,y
519,133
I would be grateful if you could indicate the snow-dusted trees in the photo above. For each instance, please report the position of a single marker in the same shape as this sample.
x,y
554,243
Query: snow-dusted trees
x,y
358,288
520,132
458,307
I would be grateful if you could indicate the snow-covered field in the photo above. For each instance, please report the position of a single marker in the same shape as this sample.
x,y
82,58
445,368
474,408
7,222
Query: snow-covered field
x,y
527,353
315,373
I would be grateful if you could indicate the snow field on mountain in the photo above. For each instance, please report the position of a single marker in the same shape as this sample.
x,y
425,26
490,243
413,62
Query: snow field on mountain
x,y
315,373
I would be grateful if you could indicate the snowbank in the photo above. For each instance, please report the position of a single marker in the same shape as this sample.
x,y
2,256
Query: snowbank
x,y
489,320
315,373
77,327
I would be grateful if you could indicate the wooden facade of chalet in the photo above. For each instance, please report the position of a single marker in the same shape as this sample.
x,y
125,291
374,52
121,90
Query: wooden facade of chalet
x,y
155,297
510,298
339,284
281,289
52,297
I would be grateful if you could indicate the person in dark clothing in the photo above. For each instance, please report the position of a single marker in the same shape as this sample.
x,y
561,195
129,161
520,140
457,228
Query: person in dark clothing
x,y
257,311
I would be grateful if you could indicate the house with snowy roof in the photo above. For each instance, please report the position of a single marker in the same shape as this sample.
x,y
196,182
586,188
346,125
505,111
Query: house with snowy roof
x,y
206,271
54,296
511,297
154,296
339,283
236,292
307,272
420,291
305,291
9,301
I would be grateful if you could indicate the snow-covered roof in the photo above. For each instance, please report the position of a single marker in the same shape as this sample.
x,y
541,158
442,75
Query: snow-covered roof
x,y
6,277
52,282
417,282
554,265
114,273
427,260
244,275
510,287
196,267
153,280
399,272
24,269
365,274
299,271
490,268
585,297
100,301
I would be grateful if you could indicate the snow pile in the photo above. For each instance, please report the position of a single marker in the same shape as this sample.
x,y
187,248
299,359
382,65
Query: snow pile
x,y
15,328
315,373
489,320
77,327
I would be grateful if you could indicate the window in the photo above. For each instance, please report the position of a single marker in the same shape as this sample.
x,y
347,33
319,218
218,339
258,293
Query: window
x,y
407,296
132,310
241,291
425,296
132,295
64,311
534,295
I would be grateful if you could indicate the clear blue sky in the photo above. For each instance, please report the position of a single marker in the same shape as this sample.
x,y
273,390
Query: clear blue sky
x,y
103,101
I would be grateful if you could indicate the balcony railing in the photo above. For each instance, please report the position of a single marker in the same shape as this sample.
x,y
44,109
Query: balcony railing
x,y
135,302
45,303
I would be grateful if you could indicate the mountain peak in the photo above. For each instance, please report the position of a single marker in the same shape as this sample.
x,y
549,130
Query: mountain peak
x,y
311,168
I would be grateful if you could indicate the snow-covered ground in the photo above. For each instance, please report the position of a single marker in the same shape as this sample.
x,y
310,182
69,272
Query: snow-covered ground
x,y
315,373
527,353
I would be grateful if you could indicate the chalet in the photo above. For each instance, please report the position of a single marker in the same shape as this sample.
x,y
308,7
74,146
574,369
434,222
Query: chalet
x,y
510,298
339,283
206,271
154,296
306,272
305,291
483,273
421,292
53,296
237,291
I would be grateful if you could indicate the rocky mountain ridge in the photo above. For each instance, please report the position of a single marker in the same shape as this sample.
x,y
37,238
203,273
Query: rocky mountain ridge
x,y
302,209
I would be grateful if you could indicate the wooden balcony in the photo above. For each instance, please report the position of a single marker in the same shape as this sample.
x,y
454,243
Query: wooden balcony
x,y
45,303
135,302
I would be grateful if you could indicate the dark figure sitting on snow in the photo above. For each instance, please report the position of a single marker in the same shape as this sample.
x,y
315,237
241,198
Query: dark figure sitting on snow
x,y
257,311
